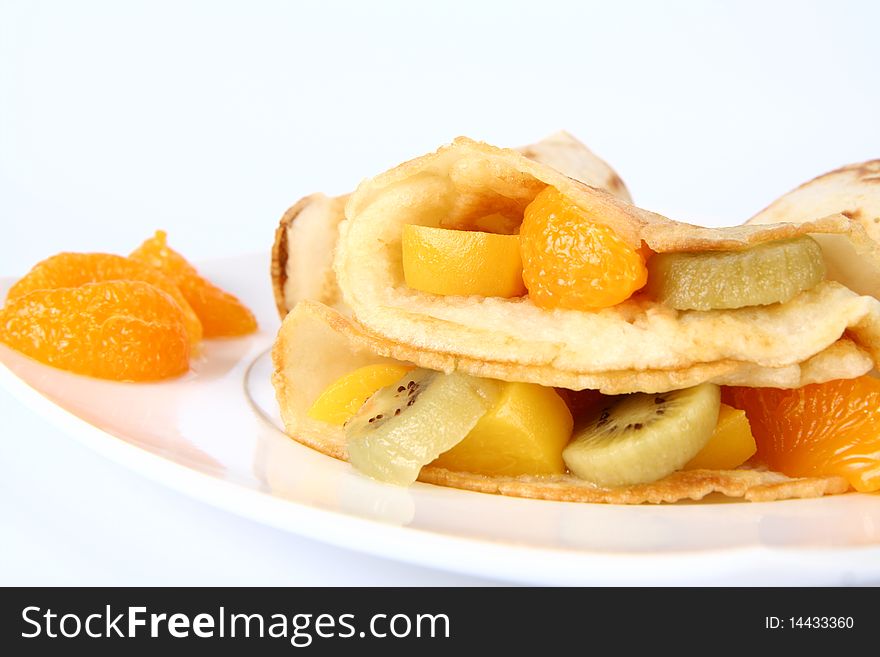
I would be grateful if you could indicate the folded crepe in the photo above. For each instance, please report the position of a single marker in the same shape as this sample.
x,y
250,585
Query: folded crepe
x,y
827,332
316,345
305,240
823,333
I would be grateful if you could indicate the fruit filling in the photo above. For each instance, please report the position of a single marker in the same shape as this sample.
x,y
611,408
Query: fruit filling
x,y
563,257
523,433
415,417
640,438
410,423
342,398
821,429
773,272
572,261
462,262
731,444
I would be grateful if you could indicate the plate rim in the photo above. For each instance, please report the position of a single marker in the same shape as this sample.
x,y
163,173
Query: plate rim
x,y
738,565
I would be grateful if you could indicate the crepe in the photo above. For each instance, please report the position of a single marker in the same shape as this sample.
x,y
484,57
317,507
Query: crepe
x,y
825,333
852,190
640,345
302,255
317,344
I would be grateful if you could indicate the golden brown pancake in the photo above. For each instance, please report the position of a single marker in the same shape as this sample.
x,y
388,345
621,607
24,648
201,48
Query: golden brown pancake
x,y
638,345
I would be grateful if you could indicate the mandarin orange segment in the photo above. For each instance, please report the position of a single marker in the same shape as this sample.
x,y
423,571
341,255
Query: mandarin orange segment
x,y
122,330
75,269
828,428
221,314
572,261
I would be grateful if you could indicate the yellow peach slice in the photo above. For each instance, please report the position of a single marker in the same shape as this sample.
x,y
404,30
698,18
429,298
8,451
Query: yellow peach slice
x,y
730,446
522,434
462,262
342,398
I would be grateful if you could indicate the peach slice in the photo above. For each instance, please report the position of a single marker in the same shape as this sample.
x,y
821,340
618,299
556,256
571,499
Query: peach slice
x,y
462,262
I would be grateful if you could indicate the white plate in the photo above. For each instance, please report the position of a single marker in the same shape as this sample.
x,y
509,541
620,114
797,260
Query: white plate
x,y
214,434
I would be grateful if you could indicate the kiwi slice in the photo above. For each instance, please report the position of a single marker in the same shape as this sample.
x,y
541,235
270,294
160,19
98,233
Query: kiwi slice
x,y
640,438
772,272
410,423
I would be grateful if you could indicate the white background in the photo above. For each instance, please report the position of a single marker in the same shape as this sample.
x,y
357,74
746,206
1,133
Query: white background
x,y
210,118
